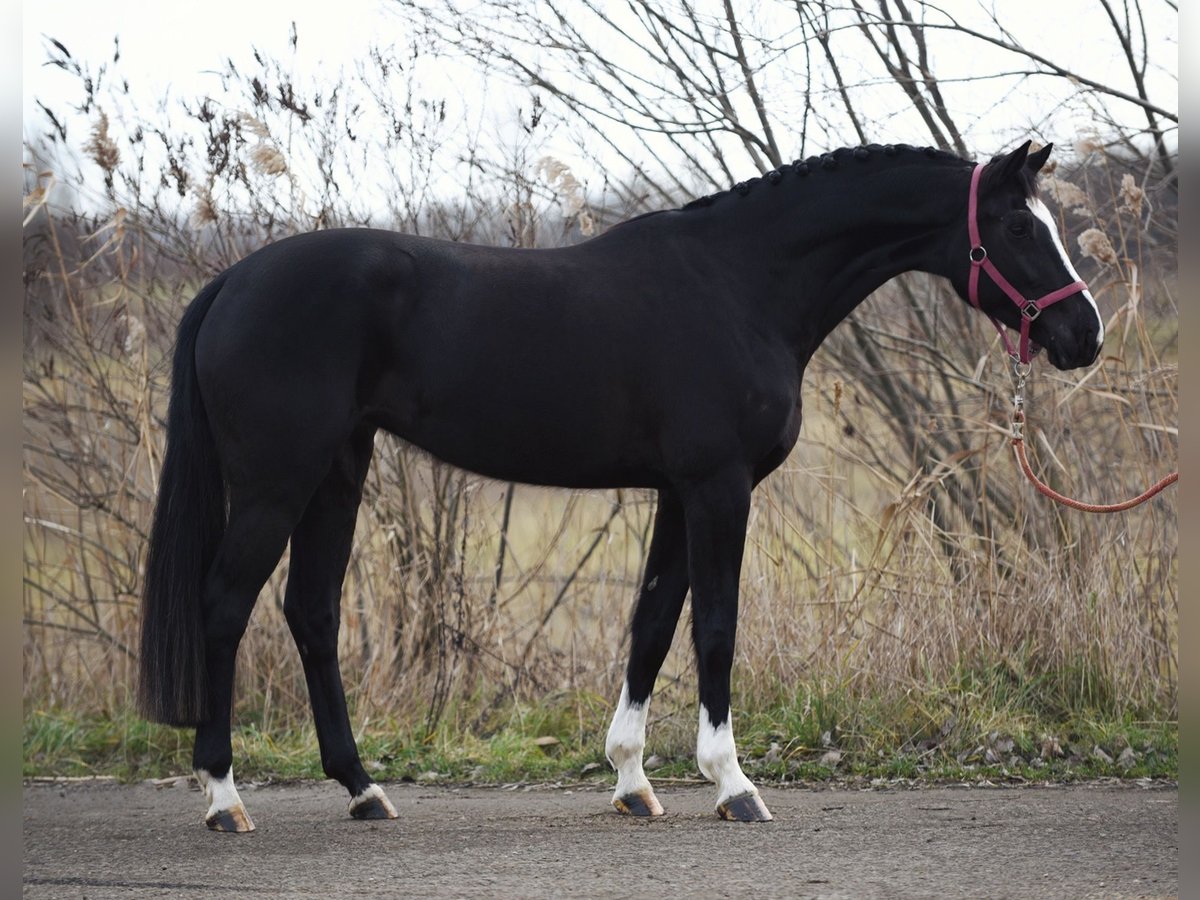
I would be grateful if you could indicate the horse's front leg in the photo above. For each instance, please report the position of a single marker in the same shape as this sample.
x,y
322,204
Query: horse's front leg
x,y
716,511
664,586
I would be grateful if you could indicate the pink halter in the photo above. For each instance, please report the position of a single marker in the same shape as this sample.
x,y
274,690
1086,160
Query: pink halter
x,y
1030,309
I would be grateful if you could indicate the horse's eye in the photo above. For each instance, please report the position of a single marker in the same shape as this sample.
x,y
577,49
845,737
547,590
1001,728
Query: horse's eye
x,y
1019,225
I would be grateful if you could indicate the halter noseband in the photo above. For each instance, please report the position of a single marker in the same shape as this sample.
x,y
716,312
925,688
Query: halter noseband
x,y
1030,309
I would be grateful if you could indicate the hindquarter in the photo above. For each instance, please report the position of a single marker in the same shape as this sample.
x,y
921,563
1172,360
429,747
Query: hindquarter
x,y
284,357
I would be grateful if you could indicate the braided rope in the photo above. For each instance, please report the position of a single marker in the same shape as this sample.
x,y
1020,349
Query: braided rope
x,y
1019,445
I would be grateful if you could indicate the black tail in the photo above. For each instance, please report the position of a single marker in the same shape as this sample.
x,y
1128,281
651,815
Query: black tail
x,y
189,520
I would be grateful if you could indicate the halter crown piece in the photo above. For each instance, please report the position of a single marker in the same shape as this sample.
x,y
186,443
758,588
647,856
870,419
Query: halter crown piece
x,y
1030,309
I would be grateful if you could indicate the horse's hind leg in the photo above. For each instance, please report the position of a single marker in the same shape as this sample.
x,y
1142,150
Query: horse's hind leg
x,y
257,532
664,586
320,553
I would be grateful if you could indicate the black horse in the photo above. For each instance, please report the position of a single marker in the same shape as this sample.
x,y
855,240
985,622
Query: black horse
x,y
667,353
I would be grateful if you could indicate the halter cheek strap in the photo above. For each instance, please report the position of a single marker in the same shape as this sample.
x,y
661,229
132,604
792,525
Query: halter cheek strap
x,y
1030,309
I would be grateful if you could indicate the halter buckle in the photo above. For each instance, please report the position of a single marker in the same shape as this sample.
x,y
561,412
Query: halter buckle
x,y
1031,311
978,260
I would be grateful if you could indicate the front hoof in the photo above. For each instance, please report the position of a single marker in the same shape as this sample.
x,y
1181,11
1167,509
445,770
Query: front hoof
x,y
642,803
746,807
234,820
372,804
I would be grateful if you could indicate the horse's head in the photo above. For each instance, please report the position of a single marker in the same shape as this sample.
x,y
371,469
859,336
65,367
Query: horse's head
x,y
1018,271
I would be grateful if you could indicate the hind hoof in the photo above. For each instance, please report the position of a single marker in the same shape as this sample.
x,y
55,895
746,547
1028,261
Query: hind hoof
x,y
746,807
235,820
372,804
643,803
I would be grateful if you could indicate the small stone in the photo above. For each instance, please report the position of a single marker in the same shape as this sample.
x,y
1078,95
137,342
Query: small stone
x,y
1128,759
1099,755
831,758
773,754
589,767
653,762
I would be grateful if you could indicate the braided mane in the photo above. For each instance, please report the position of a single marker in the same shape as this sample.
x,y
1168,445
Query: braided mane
x,y
827,162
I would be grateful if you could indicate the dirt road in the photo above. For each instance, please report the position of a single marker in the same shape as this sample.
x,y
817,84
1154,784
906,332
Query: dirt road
x,y
104,840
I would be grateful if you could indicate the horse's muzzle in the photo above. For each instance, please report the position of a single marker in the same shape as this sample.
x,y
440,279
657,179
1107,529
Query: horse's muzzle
x,y
1074,350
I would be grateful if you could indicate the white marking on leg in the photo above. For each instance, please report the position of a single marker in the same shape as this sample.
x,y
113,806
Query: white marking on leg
x,y
716,756
221,794
625,744
1039,209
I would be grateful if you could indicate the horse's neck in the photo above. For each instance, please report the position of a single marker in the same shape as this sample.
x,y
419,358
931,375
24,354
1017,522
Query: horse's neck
x,y
815,247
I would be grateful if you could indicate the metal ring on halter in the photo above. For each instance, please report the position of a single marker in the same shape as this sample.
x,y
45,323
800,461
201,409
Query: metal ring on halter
x,y
1022,369
1031,311
978,260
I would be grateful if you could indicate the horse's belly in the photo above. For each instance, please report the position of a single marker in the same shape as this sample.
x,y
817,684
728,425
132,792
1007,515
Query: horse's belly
x,y
551,431
542,456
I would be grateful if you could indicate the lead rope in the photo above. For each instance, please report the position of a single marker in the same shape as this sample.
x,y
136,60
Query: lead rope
x,y
1022,370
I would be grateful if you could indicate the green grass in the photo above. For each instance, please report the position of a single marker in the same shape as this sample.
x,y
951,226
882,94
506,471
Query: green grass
x,y
942,735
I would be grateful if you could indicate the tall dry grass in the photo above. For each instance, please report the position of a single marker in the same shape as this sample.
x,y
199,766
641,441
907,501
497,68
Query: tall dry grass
x,y
896,555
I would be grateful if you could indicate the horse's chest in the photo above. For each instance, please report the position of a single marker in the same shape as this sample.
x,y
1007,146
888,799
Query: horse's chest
x,y
772,421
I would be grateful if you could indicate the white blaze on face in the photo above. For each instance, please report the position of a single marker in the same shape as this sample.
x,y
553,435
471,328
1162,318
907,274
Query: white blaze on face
x,y
716,756
1038,208
625,744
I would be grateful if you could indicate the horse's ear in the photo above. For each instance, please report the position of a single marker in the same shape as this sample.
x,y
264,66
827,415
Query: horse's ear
x,y
1008,166
1035,161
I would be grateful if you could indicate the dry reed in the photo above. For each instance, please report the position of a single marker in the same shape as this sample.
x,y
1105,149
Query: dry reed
x,y
896,550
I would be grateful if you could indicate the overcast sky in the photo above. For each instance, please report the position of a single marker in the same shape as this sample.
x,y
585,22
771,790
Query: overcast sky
x,y
167,51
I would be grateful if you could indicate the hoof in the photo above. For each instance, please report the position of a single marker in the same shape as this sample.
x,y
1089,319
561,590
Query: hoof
x,y
234,820
372,804
643,803
744,808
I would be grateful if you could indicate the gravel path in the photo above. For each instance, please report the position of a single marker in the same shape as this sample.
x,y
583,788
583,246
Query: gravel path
x,y
101,840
